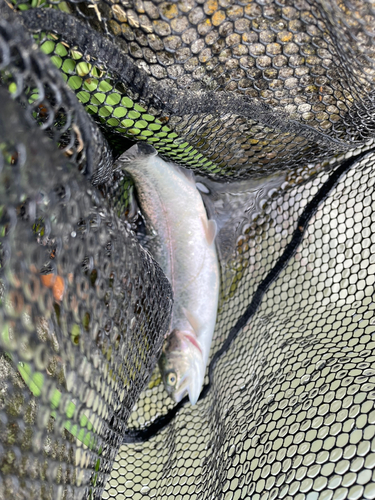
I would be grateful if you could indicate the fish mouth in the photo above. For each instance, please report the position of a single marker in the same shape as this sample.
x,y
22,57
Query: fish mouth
x,y
178,396
190,385
185,344
182,390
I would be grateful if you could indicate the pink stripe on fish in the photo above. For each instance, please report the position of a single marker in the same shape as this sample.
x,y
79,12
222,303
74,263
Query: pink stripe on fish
x,y
193,340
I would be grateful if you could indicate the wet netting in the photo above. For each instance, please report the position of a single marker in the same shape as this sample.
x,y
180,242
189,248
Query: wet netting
x,y
272,105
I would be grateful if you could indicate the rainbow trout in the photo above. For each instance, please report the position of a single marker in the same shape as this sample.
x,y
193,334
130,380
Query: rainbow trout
x,y
182,242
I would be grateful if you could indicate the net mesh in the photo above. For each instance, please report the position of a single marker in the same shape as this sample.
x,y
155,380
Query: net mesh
x,y
274,96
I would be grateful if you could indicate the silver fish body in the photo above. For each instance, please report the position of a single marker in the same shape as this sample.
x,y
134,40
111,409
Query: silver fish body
x,y
183,244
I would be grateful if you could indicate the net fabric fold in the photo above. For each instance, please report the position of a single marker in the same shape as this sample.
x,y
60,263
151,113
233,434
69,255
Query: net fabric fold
x,y
245,90
309,106
80,330
37,85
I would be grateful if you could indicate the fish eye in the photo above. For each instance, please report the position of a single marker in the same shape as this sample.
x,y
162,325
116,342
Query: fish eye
x,y
171,378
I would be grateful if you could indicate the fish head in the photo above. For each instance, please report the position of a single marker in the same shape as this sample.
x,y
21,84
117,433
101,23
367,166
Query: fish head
x,y
182,366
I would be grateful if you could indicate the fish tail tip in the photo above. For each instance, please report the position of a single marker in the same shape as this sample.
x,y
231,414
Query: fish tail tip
x,y
141,149
146,149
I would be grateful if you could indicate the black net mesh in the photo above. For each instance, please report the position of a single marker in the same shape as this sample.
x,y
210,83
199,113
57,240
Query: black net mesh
x,y
277,97
84,307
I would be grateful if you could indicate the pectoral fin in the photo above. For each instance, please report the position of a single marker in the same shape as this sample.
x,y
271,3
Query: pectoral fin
x,y
210,229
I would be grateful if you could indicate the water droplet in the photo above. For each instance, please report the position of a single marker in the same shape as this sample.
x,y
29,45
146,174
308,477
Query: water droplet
x,y
201,187
320,364
270,398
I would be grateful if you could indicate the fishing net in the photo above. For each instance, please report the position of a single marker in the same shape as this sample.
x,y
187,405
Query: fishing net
x,y
271,104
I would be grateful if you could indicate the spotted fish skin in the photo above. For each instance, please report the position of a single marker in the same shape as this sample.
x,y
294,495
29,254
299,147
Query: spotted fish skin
x,y
182,242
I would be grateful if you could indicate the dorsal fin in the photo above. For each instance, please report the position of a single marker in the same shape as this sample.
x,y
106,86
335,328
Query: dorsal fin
x,y
189,174
210,229
233,204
